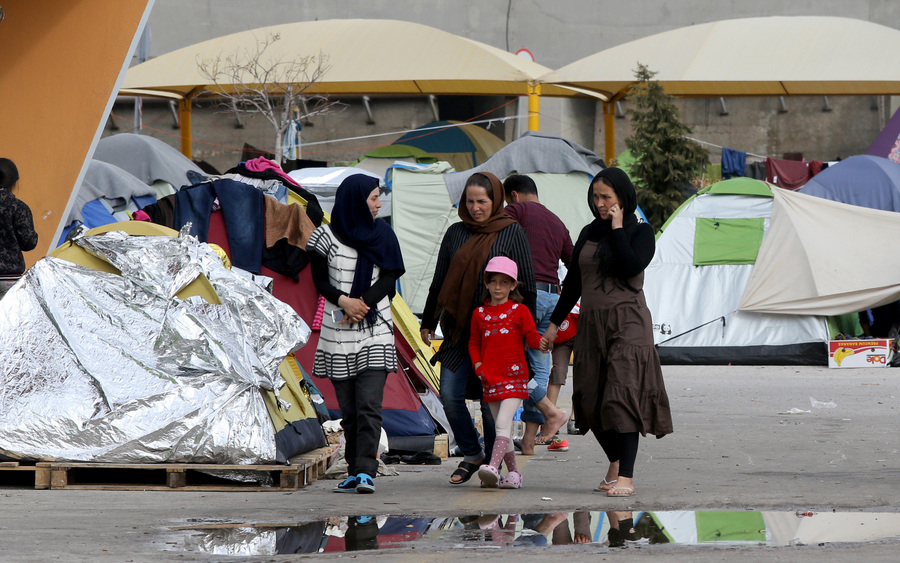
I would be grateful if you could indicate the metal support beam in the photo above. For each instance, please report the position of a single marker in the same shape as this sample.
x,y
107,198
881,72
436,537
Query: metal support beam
x,y
184,106
609,131
370,119
432,101
534,107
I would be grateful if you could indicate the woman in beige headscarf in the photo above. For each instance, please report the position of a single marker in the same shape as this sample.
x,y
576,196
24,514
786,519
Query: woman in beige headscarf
x,y
484,232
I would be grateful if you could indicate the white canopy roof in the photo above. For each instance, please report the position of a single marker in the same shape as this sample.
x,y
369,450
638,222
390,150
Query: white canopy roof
x,y
765,56
363,57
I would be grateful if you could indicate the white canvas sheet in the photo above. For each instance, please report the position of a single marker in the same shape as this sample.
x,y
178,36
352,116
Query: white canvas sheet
x,y
822,257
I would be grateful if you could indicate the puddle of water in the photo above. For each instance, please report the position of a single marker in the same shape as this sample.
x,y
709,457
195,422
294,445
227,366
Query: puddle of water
x,y
614,529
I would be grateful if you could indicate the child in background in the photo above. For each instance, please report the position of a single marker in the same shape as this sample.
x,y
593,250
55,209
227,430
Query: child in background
x,y
495,346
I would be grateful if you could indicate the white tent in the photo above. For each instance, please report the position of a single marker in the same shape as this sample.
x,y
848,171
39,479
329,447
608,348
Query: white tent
x,y
704,258
824,258
323,183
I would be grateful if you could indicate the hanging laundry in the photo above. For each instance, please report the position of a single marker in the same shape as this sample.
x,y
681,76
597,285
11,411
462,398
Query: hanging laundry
x,y
290,144
756,170
815,166
733,163
788,174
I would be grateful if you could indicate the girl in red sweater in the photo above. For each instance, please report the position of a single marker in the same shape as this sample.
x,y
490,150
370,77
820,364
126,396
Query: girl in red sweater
x,y
498,356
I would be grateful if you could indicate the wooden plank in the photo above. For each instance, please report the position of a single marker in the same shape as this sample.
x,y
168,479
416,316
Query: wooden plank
x,y
303,470
176,478
59,478
42,476
9,463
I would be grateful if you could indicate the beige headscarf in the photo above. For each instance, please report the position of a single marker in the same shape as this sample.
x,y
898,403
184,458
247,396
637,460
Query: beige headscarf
x,y
464,276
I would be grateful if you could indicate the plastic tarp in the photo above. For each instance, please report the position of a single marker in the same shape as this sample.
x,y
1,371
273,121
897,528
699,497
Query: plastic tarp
x,y
821,257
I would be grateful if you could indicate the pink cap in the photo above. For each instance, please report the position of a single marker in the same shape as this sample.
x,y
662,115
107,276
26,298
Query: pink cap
x,y
502,265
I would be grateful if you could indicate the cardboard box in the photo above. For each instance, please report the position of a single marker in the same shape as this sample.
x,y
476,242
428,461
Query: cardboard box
x,y
874,353
442,446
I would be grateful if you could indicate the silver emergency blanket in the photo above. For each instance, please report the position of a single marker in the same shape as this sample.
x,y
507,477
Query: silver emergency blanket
x,y
101,367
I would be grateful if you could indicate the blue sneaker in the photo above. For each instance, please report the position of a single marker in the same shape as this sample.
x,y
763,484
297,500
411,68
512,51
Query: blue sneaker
x,y
364,484
348,485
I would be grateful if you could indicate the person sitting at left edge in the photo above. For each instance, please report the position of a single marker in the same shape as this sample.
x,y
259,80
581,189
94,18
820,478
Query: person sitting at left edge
x,y
355,263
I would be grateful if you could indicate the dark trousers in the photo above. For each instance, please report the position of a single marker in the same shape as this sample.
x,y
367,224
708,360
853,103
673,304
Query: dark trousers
x,y
360,401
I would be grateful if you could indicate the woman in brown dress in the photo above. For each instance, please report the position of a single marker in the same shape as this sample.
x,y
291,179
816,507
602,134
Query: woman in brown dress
x,y
618,386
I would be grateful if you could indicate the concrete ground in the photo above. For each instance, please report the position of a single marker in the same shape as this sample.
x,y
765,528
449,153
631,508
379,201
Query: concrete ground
x,y
735,447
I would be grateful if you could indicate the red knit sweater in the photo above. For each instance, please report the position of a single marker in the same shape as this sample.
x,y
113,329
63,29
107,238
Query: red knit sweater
x,y
496,341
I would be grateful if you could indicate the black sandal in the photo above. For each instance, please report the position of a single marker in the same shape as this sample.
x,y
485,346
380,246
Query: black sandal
x,y
464,471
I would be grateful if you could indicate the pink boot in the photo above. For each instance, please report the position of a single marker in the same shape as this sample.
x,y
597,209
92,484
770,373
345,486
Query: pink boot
x,y
513,480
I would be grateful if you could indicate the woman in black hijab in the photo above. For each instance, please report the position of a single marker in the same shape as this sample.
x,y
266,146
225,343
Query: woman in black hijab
x,y
618,389
355,263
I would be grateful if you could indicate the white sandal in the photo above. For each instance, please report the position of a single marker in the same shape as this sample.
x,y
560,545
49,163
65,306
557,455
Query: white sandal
x,y
600,488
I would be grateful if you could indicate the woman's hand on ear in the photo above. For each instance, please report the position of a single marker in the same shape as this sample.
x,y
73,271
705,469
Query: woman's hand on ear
x,y
616,216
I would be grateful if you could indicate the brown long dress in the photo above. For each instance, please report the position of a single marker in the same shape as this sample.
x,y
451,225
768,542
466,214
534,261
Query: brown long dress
x,y
617,380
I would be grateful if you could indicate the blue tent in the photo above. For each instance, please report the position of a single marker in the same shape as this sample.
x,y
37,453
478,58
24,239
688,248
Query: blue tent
x,y
863,180
462,145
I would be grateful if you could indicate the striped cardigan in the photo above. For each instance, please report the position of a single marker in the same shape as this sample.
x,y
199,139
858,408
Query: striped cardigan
x,y
345,351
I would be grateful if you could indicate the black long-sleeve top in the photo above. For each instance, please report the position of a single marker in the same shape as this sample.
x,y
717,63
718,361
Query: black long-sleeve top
x,y
632,255
17,233
384,286
511,242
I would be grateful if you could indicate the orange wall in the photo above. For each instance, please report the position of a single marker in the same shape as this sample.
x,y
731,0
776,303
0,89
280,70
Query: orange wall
x,y
60,61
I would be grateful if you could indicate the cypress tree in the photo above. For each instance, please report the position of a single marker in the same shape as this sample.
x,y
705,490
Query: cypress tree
x,y
665,160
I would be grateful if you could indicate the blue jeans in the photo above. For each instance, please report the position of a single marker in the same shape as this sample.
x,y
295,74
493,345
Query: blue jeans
x,y
454,384
538,361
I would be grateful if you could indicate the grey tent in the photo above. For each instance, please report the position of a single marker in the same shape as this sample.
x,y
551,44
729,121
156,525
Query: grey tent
x,y
147,158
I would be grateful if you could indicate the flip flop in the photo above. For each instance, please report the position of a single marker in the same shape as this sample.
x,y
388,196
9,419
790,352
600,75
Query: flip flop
x,y
630,492
600,489
542,440
464,471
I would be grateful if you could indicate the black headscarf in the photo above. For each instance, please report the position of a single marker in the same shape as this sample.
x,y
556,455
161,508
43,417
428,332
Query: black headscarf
x,y
374,240
599,229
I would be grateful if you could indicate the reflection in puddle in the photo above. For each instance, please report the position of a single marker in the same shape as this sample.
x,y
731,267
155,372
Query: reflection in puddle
x,y
493,531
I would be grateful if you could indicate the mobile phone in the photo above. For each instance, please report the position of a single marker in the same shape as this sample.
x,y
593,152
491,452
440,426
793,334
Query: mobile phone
x,y
337,315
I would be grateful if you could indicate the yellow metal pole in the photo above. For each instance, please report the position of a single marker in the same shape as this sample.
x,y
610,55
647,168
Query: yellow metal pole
x,y
534,107
609,130
184,107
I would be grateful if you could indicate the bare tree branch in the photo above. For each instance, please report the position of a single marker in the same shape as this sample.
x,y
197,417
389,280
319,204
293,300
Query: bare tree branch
x,y
261,82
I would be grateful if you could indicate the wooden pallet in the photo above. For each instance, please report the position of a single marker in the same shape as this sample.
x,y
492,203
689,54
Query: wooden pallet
x,y
303,470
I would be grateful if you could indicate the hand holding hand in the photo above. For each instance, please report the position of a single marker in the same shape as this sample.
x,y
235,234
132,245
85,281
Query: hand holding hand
x,y
549,337
355,309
